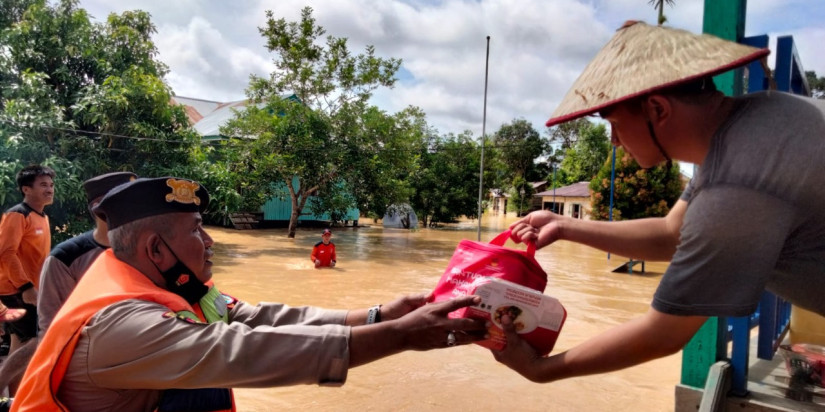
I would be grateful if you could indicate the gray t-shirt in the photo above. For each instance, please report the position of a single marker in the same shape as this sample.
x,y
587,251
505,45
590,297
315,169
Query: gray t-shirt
x,y
755,217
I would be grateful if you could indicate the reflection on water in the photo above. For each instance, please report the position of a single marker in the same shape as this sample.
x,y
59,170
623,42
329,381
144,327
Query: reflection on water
x,y
376,265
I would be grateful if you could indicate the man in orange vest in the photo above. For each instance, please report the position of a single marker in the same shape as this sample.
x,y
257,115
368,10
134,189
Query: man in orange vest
x,y
146,330
61,270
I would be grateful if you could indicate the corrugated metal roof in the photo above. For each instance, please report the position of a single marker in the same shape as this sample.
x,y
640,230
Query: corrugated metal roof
x,y
580,189
211,123
199,106
208,116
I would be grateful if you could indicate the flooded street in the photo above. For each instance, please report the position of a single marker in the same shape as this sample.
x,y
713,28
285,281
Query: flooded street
x,y
376,265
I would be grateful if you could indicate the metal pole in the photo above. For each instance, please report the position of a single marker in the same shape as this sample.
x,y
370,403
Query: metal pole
x,y
483,132
612,179
555,208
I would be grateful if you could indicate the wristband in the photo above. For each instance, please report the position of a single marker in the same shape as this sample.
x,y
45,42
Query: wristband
x,y
25,287
374,314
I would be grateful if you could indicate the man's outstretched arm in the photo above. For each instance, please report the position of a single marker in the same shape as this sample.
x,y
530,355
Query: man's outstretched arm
x,y
649,239
652,336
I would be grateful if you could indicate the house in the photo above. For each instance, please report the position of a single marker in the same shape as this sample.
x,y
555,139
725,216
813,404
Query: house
x,y
572,200
207,117
498,201
499,198
538,187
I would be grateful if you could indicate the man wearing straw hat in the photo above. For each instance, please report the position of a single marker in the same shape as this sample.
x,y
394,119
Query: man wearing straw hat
x,y
146,330
749,220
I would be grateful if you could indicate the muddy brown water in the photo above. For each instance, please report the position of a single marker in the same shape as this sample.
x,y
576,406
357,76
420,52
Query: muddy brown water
x,y
377,265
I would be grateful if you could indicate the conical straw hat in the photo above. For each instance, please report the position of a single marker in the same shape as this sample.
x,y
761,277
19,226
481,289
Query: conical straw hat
x,y
640,59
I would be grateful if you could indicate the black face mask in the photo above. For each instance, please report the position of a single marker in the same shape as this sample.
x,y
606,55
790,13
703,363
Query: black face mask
x,y
181,280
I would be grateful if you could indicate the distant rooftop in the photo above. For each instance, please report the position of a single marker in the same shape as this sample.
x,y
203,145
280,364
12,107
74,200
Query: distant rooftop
x,y
580,189
207,116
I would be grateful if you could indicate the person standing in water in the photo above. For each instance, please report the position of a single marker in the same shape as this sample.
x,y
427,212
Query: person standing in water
x,y
323,253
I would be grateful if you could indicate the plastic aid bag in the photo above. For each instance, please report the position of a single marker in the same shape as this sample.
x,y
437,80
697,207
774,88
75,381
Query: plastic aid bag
x,y
510,282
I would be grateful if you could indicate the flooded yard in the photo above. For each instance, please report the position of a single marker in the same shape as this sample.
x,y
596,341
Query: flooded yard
x,y
376,265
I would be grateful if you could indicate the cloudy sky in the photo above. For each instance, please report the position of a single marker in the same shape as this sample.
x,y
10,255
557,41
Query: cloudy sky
x,y
537,47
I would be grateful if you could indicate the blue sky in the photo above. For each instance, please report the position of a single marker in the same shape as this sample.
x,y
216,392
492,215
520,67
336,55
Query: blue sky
x,y
537,49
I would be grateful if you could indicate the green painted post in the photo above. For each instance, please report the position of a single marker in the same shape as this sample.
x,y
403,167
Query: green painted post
x,y
725,19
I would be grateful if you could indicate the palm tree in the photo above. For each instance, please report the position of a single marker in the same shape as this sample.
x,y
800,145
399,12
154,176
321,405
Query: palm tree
x,y
660,5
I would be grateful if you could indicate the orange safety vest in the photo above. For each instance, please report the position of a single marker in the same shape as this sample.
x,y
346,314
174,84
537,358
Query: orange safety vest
x,y
107,281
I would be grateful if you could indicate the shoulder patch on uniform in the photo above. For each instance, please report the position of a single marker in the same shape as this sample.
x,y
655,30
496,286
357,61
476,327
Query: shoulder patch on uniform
x,y
71,249
21,208
171,314
230,301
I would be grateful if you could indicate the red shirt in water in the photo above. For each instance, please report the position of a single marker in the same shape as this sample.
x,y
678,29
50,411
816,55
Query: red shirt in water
x,y
323,252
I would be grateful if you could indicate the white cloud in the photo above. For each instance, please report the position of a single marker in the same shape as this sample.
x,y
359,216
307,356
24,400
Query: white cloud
x,y
537,49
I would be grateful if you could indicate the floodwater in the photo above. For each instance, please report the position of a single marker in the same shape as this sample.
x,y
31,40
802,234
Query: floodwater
x,y
376,265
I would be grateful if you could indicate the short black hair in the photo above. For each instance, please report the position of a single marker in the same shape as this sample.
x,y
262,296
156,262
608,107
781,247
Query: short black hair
x,y
30,173
688,92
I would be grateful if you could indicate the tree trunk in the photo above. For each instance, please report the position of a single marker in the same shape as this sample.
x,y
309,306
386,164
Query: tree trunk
x,y
293,217
661,12
405,220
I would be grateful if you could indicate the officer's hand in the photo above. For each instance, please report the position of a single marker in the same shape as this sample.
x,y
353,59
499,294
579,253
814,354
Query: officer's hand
x,y
428,327
317,263
332,264
404,305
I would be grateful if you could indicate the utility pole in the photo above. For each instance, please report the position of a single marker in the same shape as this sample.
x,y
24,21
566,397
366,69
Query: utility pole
x,y
483,133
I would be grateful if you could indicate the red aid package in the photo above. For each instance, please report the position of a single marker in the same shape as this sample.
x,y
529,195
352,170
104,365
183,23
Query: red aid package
x,y
474,269
538,318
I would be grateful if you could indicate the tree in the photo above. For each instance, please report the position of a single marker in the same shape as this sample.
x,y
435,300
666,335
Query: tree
x,y
85,98
562,137
519,145
638,192
660,6
521,196
445,184
378,160
583,161
294,149
336,85
817,84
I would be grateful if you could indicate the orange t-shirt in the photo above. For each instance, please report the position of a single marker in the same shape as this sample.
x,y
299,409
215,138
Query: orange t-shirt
x,y
25,241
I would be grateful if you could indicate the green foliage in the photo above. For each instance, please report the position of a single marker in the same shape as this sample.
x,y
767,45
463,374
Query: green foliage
x,y
583,161
638,192
446,181
562,137
519,145
336,202
660,6
87,98
378,157
817,84
324,77
521,196
334,137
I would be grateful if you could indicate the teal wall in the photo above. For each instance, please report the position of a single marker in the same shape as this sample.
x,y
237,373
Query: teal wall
x,y
280,207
